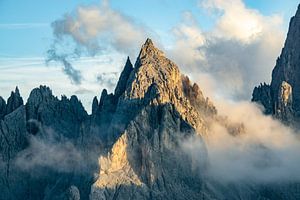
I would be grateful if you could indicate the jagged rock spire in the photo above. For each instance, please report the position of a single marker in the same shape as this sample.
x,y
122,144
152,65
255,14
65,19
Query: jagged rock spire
x,y
157,80
148,50
14,101
122,83
2,107
95,105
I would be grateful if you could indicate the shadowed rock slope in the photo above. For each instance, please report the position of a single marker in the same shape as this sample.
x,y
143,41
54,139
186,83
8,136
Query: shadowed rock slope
x,y
130,147
282,97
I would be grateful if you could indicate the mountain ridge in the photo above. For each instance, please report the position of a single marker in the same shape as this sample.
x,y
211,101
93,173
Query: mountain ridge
x,y
129,147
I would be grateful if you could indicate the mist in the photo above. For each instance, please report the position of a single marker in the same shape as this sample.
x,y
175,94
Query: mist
x,y
50,150
267,152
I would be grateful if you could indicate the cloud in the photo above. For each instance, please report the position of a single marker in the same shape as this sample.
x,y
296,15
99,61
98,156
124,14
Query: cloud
x,y
97,28
74,74
108,80
238,52
93,30
49,152
188,39
266,153
83,91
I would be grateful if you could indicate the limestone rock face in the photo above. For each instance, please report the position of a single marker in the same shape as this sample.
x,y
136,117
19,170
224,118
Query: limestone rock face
x,y
282,97
122,83
2,107
130,147
146,124
13,139
158,79
139,164
262,95
14,101
284,109
64,116
44,117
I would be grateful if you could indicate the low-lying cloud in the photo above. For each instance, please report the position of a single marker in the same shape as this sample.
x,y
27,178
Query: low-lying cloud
x,y
238,53
49,152
266,153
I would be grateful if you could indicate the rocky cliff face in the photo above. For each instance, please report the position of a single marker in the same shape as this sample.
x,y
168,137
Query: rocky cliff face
x,y
158,115
282,97
130,147
135,133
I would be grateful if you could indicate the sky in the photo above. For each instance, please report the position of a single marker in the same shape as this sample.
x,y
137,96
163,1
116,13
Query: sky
x,y
233,41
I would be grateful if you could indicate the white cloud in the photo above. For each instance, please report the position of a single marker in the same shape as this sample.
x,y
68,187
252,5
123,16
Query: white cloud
x,y
101,27
267,151
238,52
93,30
239,22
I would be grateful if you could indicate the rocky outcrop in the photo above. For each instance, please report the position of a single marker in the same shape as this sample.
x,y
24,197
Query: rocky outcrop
x,y
262,95
130,147
283,107
44,117
282,97
122,83
65,116
138,166
158,109
159,78
13,139
2,108
14,101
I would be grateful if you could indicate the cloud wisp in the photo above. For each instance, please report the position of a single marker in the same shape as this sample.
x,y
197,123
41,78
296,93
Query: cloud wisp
x,y
94,30
49,152
74,74
23,25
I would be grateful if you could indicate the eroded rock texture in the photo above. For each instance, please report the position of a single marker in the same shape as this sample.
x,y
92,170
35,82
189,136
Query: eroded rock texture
x,y
153,114
130,147
282,97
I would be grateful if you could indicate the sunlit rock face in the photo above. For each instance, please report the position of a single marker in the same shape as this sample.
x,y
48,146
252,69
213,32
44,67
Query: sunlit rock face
x,y
130,147
154,115
282,97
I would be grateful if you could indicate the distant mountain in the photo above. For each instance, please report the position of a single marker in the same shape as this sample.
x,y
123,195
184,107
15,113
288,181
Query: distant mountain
x,y
282,97
130,147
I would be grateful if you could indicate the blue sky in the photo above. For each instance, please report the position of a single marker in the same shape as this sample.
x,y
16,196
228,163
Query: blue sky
x,y
233,41
25,25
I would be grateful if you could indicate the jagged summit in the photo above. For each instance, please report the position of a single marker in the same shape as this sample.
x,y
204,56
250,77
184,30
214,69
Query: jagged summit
x,y
130,147
157,80
14,101
150,51
122,83
298,11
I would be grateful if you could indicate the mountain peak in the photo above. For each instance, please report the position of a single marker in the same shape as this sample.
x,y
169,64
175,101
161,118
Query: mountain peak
x,y
157,80
149,50
122,83
148,42
14,101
